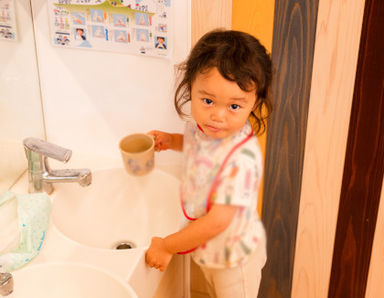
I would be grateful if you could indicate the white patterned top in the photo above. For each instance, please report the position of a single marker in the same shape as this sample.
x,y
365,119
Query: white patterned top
x,y
238,185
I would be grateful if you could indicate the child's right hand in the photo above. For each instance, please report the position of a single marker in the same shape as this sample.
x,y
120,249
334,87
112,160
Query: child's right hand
x,y
163,140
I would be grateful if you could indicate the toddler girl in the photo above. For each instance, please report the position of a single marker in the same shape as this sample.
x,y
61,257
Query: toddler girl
x,y
226,80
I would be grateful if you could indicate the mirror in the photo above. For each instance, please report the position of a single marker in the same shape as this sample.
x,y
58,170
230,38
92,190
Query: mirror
x,y
20,101
90,98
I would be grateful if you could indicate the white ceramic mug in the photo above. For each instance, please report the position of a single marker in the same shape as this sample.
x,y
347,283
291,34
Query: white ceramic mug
x,y
138,153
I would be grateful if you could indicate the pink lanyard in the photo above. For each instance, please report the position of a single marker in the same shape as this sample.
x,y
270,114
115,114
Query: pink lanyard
x,y
214,185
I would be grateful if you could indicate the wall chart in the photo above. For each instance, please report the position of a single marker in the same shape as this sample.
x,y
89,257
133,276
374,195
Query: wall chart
x,y
128,26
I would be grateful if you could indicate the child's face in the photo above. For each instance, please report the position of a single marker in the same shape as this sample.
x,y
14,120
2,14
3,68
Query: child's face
x,y
220,106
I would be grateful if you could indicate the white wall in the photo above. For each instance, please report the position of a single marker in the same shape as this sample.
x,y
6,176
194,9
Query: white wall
x,y
92,98
20,106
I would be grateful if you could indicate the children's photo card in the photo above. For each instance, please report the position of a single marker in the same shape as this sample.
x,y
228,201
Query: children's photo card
x,y
7,20
130,26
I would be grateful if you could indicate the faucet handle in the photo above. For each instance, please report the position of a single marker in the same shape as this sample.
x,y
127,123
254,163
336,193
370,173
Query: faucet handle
x,y
47,149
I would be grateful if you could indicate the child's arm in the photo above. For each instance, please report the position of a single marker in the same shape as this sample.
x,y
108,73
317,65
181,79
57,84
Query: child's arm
x,y
164,140
195,234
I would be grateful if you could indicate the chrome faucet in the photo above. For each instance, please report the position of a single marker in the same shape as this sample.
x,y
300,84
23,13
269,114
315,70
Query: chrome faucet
x,y
6,284
40,176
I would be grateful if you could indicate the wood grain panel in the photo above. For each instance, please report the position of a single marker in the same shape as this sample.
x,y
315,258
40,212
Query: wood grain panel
x,y
364,163
336,51
375,285
292,56
209,15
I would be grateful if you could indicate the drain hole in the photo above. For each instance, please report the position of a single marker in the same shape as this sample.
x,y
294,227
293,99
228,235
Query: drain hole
x,y
124,245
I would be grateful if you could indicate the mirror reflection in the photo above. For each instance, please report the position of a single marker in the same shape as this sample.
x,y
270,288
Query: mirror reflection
x,y
20,105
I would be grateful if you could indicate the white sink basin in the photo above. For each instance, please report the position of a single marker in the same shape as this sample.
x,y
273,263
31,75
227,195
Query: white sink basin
x,y
118,207
60,280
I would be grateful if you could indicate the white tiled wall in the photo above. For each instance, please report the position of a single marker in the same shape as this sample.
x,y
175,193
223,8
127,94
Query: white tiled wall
x,y
92,98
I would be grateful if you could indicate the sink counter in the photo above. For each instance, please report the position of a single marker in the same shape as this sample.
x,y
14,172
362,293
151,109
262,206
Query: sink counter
x,y
127,264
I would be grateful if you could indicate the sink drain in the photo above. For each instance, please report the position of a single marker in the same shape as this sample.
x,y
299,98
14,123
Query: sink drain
x,y
124,245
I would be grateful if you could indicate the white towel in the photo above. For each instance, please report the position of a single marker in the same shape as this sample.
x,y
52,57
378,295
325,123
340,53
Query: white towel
x,y
9,231
32,221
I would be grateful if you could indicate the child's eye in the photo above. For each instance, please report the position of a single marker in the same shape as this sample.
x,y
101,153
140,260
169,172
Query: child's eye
x,y
207,101
234,107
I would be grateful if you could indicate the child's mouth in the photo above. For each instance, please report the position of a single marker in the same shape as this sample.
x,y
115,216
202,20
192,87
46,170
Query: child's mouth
x,y
213,128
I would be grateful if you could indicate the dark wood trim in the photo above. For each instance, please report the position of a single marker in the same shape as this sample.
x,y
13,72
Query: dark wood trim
x,y
364,163
292,58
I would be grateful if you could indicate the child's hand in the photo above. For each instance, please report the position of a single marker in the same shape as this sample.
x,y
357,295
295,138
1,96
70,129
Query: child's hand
x,y
157,255
163,140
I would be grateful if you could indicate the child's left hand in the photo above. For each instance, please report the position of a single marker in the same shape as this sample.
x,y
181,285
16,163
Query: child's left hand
x,y
157,255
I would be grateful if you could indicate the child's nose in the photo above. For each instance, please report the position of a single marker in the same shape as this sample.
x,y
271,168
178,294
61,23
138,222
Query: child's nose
x,y
218,115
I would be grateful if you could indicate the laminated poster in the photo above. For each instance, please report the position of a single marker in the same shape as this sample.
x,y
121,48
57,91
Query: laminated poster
x,y
128,26
7,20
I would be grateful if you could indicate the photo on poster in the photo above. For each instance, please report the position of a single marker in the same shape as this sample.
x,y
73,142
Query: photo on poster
x,y
161,42
98,31
78,18
142,19
62,38
121,36
119,20
162,28
142,35
81,37
7,20
97,16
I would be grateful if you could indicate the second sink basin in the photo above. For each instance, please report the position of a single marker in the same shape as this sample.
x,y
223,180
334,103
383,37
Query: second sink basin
x,y
66,280
118,208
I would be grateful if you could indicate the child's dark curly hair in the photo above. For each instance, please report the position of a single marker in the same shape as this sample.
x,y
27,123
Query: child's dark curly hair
x,y
239,57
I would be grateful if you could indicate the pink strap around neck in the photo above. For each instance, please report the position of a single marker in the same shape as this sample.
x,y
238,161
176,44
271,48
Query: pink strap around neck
x,y
214,184
199,127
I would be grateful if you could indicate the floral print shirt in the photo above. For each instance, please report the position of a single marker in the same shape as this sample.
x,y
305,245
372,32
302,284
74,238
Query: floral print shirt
x,y
238,185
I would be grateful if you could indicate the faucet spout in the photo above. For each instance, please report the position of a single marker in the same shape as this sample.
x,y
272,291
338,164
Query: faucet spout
x,y
40,176
82,176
